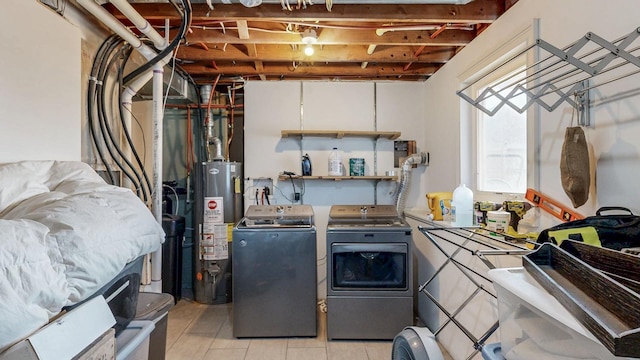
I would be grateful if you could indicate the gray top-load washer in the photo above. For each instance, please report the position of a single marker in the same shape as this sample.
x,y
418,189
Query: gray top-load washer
x,y
275,272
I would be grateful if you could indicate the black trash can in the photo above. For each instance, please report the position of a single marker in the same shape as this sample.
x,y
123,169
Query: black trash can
x,y
155,307
174,227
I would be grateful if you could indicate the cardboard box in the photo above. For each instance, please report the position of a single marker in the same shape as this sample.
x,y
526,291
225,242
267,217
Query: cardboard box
x,y
66,336
104,348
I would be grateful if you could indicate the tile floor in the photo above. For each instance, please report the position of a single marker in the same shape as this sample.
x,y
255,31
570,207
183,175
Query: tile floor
x,y
203,332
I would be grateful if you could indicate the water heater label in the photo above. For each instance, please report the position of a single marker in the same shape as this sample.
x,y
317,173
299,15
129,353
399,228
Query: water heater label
x,y
214,171
214,248
213,211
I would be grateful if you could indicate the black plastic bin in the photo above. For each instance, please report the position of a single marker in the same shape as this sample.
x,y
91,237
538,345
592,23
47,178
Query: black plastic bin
x,y
174,227
155,307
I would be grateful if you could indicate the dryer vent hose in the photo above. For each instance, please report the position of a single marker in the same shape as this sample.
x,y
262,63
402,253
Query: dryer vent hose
x,y
417,159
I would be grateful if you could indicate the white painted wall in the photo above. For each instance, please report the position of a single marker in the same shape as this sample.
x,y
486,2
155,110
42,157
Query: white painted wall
x,y
615,150
274,106
616,124
39,84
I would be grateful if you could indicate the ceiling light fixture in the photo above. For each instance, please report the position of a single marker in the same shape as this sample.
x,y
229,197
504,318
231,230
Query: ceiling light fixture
x,y
309,37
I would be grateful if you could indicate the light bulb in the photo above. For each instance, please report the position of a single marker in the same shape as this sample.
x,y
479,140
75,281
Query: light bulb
x,y
308,50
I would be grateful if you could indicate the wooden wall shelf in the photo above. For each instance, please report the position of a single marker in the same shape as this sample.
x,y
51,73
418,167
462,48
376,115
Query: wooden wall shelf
x,y
338,134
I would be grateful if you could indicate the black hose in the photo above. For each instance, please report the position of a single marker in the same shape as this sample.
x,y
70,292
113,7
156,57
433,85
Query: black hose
x,y
97,101
127,135
186,22
99,74
92,98
110,143
138,184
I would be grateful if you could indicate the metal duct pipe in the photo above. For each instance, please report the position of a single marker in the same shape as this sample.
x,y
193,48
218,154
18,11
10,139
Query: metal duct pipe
x,y
218,144
419,159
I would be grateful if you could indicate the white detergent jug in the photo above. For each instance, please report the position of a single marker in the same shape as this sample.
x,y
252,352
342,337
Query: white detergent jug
x,y
335,163
462,207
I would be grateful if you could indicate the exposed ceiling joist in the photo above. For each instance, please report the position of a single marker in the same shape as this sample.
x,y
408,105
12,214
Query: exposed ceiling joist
x,y
365,41
478,11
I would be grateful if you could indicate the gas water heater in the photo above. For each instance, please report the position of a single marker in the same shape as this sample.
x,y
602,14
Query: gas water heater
x,y
218,207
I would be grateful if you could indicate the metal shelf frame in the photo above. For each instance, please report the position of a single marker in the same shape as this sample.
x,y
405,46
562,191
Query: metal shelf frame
x,y
564,75
483,245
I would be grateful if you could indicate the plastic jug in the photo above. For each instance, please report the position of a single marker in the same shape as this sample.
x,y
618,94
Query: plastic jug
x,y
335,163
462,207
440,204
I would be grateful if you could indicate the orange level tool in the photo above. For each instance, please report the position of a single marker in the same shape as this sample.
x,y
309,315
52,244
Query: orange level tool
x,y
551,206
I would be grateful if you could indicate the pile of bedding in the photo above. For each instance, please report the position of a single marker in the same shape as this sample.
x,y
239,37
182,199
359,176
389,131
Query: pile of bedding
x,y
64,233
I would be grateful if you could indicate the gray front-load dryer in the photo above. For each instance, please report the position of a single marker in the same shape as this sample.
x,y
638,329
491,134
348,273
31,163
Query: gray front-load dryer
x,y
274,272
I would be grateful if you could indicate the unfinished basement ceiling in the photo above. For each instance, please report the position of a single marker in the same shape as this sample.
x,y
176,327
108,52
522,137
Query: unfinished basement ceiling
x,y
356,39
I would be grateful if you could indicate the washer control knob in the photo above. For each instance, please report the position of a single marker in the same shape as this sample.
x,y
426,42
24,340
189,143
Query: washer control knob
x,y
363,209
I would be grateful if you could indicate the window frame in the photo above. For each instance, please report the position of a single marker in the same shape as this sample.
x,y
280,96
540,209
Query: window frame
x,y
484,72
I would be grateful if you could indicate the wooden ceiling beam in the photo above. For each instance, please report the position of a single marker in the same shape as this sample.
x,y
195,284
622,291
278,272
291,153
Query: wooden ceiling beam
x,y
205,80
338,37
243,29
330,53
478,11
198,70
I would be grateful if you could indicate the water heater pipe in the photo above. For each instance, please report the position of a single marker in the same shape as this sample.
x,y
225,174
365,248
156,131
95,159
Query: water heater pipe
x,y
419,159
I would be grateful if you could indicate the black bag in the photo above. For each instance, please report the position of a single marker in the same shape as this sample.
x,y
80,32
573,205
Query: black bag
x,y
615,232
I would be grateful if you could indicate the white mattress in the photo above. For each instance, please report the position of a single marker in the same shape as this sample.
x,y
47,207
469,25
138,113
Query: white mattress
x,y
64,233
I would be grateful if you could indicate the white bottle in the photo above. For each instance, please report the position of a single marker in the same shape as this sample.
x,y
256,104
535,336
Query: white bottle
x,y
335,163
462,207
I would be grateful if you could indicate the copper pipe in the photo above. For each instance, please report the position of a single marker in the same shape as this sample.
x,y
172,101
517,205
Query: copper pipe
x,y
415,55
437,32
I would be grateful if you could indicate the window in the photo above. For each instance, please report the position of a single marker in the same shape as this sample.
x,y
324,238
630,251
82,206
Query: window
x,y
501,139
498,154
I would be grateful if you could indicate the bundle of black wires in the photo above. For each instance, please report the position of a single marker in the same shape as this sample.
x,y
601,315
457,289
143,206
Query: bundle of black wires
x,y
104,92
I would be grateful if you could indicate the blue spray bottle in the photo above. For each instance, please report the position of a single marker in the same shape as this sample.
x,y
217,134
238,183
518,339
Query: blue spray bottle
x,y
306,165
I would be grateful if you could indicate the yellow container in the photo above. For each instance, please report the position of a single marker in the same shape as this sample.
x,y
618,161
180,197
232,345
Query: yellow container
x,y
440,204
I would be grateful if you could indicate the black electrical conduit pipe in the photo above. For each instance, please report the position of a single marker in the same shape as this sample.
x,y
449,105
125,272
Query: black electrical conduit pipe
x,y
110,140
103,54
106,63
186,22
92,100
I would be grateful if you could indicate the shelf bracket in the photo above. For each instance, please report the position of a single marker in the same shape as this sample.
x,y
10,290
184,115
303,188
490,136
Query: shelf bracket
x,y
581,104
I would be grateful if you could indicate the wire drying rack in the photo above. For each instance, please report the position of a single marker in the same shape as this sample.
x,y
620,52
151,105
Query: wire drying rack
x,y
478,243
